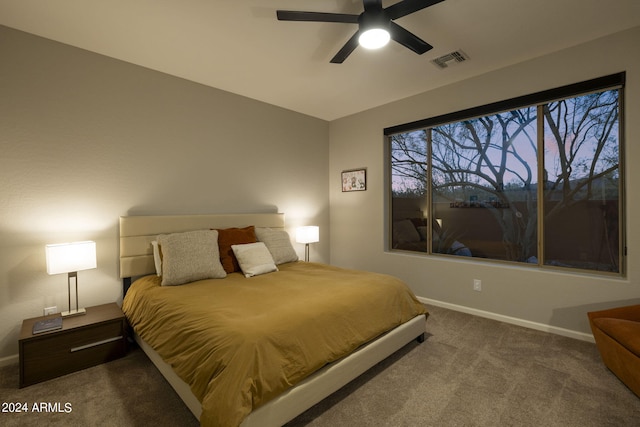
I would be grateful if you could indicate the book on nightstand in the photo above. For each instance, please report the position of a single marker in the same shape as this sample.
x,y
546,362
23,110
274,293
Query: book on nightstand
x,y
47,325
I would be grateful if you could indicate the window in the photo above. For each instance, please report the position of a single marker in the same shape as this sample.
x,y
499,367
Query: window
x,y
533,180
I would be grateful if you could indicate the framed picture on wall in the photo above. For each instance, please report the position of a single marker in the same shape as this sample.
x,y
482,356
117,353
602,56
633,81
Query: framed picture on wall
x,y
354,180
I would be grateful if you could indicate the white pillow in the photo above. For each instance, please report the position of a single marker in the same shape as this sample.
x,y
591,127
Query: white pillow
x,y
279,244
254,259
190,256
157,259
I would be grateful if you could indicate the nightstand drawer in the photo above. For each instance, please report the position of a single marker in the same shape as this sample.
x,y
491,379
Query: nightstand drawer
x,y
49,355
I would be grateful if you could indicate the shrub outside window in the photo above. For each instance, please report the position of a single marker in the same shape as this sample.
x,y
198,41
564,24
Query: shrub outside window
x,y
538,182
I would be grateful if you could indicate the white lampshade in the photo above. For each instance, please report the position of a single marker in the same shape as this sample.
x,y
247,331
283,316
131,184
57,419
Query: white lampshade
x,y
308,234
374,38
69,257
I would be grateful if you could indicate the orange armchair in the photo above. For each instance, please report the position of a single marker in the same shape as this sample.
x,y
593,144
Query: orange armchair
x,y
617,335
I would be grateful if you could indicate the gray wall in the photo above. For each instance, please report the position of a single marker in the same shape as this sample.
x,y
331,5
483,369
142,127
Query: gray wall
x,y
85,139
548,300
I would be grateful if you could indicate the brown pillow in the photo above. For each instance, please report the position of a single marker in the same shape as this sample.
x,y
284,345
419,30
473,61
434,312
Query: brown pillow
x,y
233,236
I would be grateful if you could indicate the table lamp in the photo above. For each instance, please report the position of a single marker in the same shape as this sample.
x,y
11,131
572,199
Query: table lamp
x,y
306,235
71,258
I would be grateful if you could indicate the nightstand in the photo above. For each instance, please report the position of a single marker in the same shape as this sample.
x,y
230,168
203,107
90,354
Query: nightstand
x,y
96,337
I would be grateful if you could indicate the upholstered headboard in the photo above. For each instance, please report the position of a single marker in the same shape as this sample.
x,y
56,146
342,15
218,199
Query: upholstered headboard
x,y
137,233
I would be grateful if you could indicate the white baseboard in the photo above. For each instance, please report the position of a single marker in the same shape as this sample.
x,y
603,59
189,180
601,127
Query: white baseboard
x,y
512,320
9,360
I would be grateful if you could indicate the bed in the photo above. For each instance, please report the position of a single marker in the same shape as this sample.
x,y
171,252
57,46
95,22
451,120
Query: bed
x,y
284,374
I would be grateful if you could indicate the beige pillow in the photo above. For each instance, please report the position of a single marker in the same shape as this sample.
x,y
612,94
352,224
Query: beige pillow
x,y
190,256
404,231
254,259
279,244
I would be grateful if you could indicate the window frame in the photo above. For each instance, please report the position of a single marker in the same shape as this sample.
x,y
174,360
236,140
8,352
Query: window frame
x,y
537,100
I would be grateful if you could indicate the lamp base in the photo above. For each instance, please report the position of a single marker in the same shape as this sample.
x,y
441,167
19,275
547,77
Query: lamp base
x,y
72,313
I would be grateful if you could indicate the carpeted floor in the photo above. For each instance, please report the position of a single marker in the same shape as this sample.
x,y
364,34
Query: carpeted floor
x,y
122,393
473,371
469,372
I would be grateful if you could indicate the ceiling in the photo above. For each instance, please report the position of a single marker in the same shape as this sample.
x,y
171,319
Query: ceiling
x,y
240,47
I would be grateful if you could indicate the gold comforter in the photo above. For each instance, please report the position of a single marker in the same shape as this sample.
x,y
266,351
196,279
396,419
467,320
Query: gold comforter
x,y
238,342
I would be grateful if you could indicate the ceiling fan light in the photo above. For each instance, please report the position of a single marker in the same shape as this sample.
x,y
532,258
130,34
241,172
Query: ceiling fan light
x,y
374,38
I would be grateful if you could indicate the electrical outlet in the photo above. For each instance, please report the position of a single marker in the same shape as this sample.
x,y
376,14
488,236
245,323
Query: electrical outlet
x,y
477,285
50,310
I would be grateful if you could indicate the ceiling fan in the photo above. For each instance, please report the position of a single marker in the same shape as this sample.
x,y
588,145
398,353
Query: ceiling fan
x,y
375,25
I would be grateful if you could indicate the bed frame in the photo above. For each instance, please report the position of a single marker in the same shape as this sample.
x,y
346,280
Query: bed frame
x,y
136,259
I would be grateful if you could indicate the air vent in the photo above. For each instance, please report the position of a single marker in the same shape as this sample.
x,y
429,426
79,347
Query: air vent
x,y
450,59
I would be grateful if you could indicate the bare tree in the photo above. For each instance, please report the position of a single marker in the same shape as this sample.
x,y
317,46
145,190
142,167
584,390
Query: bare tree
x,y
486,156
409,163
495,159
583,147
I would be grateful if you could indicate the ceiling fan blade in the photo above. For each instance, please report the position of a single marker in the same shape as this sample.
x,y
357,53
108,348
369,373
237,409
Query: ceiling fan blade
x,y
292,15
408,40
346,50
406,7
